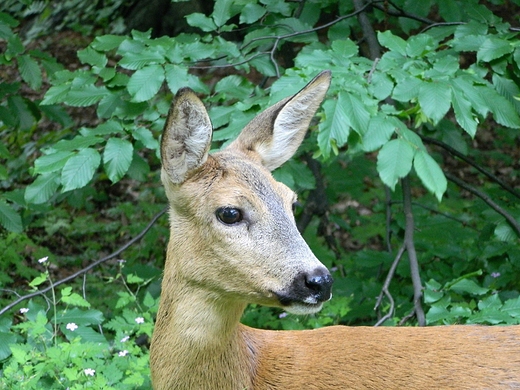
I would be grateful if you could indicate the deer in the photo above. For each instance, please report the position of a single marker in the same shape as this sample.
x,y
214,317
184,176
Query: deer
x,y
233,241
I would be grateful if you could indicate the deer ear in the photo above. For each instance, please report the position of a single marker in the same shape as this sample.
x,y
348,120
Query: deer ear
x,y
275,134
186,138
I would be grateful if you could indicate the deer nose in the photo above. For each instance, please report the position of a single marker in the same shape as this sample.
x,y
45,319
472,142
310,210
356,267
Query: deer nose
x,y
320,283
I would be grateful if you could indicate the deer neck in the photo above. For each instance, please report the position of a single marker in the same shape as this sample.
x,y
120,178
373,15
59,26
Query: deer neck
x,y
201,338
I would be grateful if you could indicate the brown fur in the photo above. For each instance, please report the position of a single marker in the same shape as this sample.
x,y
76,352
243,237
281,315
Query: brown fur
x,y
213,270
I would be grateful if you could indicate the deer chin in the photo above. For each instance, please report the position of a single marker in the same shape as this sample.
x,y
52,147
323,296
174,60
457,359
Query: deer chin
x,y
300,308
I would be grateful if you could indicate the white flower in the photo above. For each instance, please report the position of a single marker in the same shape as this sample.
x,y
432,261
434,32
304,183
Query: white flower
x,y
24,310
123,353
139,320
72,327
89,371
125,339
43,259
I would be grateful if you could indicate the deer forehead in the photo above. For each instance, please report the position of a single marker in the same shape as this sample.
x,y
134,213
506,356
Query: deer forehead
x,y
229,180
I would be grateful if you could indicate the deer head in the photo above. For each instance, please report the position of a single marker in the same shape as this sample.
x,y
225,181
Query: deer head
x,y
233,232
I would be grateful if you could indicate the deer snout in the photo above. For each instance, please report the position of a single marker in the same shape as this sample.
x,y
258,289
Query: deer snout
x,y
307,291
319,283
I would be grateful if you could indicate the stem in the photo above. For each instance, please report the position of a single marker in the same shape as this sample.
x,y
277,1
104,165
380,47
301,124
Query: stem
x,y
386,285
54,303
412,254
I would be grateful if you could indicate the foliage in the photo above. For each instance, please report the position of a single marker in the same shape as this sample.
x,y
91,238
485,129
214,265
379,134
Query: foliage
x,y
415,148
68,344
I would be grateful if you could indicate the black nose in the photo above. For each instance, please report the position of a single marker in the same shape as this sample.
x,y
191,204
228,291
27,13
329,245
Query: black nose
x,y
320,283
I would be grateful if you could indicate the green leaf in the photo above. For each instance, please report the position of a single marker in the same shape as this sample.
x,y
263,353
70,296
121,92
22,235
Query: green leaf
x,y
140,59
251,12
512,307
199,51
473,93
77,143
92,57
42,278
146,137
85,95
107,42
117,158
430,173
79,169
381,85
419,45
505,232
145,83
30,71
468,286
392,42
380,130
435,99
74,299
233,87
51,162
22,110
463,112
356,111
109,104
335,129
43,188
503,111
507,88
81,317
394,161
6,339
201,21
493,48
222,12
9,218
56,94
407,89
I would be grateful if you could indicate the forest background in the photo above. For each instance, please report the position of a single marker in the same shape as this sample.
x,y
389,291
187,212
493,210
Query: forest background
x,y
408,179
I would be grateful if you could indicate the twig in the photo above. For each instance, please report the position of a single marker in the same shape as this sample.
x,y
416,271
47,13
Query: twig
x,y
441,24
372,70
412,255
87,268
509,218
445,215
368,31
386,285
469,161
400,13
388,207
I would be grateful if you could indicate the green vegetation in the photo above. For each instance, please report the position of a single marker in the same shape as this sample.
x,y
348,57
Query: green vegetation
x,y
408,181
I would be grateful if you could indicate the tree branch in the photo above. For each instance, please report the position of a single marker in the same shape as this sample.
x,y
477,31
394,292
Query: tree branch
x,y
384,290
412,255
368,31
469,161
399,12
509,218
87,268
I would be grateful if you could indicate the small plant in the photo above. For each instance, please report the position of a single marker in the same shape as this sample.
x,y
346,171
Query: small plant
x,y
66,344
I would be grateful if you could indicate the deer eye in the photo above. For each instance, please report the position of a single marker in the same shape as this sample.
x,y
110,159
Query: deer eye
x,y
229,215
